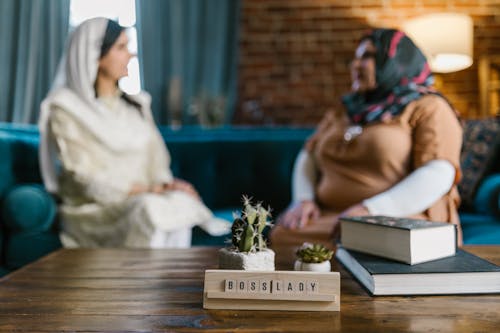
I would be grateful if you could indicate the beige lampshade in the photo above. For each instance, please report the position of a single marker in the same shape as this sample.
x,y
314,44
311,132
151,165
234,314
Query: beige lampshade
x,y
445,39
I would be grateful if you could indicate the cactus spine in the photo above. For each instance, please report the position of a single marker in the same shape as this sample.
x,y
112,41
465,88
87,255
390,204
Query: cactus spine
x,y
247,230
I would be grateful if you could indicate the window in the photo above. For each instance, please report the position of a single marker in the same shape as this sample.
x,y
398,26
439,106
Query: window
x,y
123,11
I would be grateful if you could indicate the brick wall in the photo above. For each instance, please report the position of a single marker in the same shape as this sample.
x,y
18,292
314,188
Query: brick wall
x,y
294,54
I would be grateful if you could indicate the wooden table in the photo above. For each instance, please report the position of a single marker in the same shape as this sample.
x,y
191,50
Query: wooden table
x,y
161,290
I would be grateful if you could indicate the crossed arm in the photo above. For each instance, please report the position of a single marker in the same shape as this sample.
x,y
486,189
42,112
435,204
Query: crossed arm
x,y
414,194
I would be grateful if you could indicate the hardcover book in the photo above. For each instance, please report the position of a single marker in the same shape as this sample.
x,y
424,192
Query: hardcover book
x,y
406,240
463,273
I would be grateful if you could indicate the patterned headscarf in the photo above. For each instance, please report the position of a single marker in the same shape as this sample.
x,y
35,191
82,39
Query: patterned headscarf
x,y
402,75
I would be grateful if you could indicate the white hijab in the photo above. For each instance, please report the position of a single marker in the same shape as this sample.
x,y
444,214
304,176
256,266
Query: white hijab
x,y
73,91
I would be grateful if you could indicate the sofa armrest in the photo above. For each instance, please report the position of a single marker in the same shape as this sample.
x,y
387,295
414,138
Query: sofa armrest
x,y
28,208
487,199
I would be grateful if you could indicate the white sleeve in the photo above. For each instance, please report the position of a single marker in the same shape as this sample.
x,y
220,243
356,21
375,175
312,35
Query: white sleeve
x,y
415,193
304,177
160,160
159,169
79,164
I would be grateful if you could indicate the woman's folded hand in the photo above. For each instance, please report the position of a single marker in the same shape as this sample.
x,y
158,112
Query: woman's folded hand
x,y
299,215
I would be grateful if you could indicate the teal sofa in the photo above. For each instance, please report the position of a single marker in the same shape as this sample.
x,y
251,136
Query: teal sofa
x,y
222,164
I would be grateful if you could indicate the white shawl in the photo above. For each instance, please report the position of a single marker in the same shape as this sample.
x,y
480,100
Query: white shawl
x,y
73,91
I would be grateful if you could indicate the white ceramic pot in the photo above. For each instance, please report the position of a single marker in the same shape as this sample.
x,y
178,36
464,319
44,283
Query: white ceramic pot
x,y
312,267
258,261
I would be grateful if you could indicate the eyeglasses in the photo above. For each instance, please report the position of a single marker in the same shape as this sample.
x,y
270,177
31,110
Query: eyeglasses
x,y
365,56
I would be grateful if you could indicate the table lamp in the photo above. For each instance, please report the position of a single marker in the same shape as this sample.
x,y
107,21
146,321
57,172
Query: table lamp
x,y
445,39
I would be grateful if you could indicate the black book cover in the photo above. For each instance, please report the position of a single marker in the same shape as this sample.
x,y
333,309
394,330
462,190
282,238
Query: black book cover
x,y
461,262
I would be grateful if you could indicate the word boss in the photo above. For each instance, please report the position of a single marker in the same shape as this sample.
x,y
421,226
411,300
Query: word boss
x,y
270,286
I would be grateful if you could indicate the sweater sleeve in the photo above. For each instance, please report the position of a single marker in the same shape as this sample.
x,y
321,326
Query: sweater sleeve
x,y
416,193
437,134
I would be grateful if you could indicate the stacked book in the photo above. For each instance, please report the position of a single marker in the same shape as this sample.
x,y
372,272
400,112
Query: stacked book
x,y
401,256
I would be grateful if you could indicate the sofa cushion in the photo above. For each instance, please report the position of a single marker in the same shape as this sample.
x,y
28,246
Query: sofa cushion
x,y
24,247
1,243
3,271
479,229
479,152
28,208
482,234
19,153
487,199
224,164
473,225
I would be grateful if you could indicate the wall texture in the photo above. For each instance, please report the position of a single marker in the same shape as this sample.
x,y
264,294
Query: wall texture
x,y
294,54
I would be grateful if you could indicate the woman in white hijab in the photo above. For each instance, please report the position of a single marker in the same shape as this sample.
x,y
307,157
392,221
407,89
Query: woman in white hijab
x,y
103,156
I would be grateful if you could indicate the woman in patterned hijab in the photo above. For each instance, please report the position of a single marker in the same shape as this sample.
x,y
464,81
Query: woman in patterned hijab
x,y
394,151
402,75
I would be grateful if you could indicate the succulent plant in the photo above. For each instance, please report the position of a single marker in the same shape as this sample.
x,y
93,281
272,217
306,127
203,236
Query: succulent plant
x,y
314,253
247,229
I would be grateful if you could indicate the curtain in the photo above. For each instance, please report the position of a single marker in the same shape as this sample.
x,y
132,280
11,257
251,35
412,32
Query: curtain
x,y
32,35
188,55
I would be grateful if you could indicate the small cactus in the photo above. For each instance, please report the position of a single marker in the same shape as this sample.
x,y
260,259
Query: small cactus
x,y
314,253
247,229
